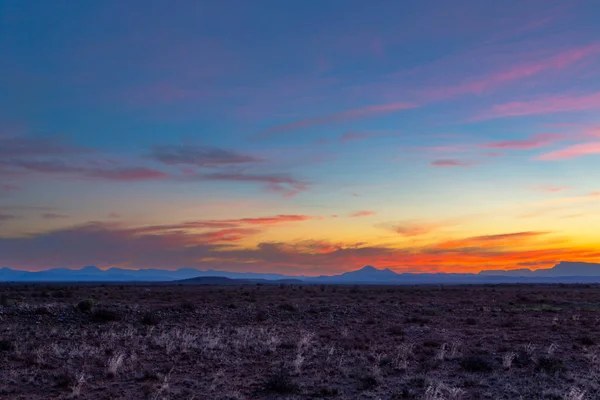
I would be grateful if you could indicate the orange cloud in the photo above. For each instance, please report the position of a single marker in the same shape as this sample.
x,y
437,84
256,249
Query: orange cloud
x,y
410,229
362,214
112,244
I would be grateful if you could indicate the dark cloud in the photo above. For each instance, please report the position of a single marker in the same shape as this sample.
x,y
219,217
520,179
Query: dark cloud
x,y
279,183
6,217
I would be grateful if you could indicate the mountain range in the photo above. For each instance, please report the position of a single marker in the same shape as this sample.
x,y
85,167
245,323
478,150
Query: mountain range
x,y
567,272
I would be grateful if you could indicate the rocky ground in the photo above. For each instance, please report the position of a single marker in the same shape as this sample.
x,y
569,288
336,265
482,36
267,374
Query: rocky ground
x,y
299,342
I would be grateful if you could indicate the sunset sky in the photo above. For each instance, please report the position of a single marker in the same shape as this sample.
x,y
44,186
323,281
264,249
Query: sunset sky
x,y
301,137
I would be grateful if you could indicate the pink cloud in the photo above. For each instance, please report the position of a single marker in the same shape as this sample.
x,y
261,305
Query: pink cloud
x,y
493,155
550,189
535,141
449,163
362,214
525,70
352,114
10,188
551,104
577,150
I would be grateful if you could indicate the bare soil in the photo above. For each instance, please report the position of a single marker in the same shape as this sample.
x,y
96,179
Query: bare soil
x,y
299,342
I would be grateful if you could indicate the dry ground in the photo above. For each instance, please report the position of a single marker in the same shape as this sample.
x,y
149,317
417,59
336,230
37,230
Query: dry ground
x,y
299,342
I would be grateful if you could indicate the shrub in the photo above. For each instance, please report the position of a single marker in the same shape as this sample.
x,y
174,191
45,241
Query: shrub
x,y
587,341
522,359
281,383
261,316
396,330
103,315
549,365
5,301
41,311
476,364
287,307
150,318
85,305
63,380
6,345
188,306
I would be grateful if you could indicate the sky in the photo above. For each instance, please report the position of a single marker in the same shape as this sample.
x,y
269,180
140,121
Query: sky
x,y
300,137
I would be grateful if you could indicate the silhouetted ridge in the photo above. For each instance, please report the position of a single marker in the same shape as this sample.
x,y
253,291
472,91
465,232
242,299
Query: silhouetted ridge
x,y
564,271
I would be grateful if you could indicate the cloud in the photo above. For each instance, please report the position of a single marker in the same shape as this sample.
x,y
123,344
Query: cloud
x,y
514,73
86,169
226,223
354,135
7,217
113,244
54,216
573,151
550,189
485,241
449,163
411,229
200,156
10,188
533,142
362,214
277,219
279,183
347,115
547,105
130,174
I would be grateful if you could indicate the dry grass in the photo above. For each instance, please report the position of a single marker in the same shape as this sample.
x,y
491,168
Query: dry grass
x,y
267,342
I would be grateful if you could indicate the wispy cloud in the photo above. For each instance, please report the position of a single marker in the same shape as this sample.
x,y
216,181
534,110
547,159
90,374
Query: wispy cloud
x,y
450,163
576,150
280,183
347,115
547,105
411,229
363,213
550,189
533,142
514,73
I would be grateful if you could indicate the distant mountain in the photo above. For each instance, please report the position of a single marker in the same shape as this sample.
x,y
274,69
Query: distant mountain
x,y
219,280
95,274
565,271
562,269
367,274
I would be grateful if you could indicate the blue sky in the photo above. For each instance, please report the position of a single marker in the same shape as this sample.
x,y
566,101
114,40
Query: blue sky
x,y
358,133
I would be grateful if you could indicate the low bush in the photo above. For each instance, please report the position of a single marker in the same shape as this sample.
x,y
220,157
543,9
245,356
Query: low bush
x,y
85,305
